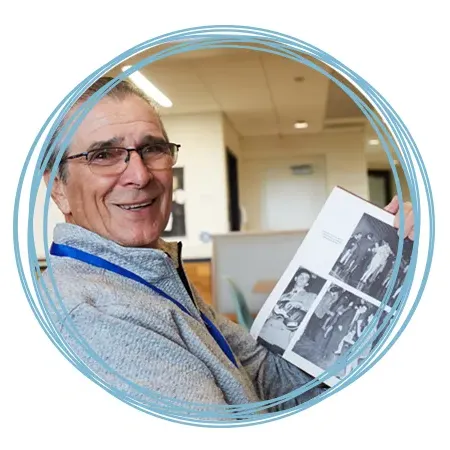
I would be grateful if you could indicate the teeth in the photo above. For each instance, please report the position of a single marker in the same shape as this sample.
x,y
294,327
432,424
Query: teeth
x,y
138,206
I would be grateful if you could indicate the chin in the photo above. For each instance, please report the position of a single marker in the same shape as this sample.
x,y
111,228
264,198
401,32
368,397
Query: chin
x,y
137,231
138,238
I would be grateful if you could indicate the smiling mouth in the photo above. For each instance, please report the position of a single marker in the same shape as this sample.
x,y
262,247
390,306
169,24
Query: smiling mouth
x,y
137,206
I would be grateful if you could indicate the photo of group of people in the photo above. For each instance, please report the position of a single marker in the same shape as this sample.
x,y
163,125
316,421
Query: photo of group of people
x,y
367,261
337,322
323,312
290,310
338,319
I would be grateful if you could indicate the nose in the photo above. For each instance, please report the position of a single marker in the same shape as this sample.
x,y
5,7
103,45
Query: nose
x,y
136,172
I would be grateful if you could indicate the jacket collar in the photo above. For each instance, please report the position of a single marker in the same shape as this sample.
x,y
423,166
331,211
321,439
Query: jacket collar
x,y
150,263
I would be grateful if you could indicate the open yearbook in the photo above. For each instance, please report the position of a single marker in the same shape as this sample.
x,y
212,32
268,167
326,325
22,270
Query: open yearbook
x,y
334,287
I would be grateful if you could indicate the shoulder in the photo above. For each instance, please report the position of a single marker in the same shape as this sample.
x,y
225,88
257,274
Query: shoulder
x,y
69,284
68,278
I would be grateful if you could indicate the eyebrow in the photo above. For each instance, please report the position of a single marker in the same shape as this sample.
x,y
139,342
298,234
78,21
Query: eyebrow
x,y
118,141
149,139
98,145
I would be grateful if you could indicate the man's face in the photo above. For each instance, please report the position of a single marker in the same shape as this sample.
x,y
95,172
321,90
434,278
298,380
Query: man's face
x,y
99,203
302,280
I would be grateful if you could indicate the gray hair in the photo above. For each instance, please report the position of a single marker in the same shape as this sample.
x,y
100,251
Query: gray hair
x,y
121,90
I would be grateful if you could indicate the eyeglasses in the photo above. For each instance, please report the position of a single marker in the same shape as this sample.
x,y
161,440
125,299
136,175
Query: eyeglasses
x,y
114,160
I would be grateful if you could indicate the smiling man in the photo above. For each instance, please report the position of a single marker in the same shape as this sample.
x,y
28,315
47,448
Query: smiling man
x,y
127,309
111,190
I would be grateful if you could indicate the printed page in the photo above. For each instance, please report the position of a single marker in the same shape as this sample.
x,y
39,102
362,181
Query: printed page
x,y
333,289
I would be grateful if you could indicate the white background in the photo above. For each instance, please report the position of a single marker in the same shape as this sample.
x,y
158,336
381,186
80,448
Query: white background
x,y
49,47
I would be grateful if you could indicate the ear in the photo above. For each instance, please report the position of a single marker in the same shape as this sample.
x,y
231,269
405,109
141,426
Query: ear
x,y
58,194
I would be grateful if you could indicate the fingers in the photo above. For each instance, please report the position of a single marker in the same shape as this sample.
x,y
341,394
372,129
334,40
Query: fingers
x,y
408,231
393,206
409,226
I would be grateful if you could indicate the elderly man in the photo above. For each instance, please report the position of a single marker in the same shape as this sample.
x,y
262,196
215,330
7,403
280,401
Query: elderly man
x,y
124,292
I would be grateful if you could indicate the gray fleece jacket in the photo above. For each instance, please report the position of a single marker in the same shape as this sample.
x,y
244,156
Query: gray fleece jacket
x,y
142,345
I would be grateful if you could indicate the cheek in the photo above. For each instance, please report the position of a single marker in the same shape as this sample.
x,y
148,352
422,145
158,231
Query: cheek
x,y
87,195
166,181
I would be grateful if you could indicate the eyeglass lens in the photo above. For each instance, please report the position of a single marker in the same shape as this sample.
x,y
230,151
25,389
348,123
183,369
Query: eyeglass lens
x,y
114,160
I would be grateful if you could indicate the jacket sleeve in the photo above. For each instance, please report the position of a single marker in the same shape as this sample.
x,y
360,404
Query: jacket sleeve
x,y
272,376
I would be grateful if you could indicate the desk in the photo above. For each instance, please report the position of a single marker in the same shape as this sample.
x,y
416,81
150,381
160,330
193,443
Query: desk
x,y
199,274
264,286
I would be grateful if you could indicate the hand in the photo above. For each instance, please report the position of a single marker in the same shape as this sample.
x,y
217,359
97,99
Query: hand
x,y
295,305
394,208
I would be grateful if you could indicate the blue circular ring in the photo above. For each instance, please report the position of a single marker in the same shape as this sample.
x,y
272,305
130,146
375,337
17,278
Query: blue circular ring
x,y
389,128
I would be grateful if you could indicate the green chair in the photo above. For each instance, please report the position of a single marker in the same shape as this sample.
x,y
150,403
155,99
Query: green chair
x,y
244,316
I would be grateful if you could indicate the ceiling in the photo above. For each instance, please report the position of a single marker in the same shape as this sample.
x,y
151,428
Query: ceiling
x,y
260,93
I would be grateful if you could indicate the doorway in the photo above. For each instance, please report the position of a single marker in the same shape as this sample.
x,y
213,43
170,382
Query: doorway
x,y
380,189
234,213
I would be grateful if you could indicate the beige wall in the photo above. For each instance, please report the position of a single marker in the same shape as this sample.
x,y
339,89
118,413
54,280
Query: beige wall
x,y
202,155
343,155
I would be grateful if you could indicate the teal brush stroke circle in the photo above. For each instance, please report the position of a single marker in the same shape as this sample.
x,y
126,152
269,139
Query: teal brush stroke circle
x,y
390,130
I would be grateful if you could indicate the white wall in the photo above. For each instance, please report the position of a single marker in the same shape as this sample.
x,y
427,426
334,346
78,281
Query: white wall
x,y
202,155
342,155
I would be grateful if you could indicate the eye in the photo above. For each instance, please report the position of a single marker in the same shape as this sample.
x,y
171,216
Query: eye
x,y
156,149
105,155
99,155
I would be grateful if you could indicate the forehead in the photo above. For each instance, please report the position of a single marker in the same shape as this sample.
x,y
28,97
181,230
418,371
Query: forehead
x,y
129,118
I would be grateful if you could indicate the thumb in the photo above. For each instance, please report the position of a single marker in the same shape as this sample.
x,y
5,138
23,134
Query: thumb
x,y
393,205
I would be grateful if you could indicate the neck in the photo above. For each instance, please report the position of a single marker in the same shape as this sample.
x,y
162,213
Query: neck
x,y
156,244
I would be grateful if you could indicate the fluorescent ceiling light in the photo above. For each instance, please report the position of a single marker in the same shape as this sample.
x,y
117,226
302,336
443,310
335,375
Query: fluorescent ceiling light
x,y
149,88
374,141
300,125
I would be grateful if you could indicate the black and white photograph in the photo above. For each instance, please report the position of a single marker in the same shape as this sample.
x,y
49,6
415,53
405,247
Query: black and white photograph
x,y
368,257
401,274
356,246
177,220
337,322
290,310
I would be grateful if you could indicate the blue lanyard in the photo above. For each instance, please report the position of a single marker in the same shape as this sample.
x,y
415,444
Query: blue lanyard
x,y
71,252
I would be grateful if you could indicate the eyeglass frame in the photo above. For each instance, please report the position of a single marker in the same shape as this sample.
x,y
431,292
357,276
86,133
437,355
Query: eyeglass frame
x,y
128,150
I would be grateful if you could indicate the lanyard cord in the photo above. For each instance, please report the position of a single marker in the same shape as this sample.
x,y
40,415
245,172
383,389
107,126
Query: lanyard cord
x,y
93,260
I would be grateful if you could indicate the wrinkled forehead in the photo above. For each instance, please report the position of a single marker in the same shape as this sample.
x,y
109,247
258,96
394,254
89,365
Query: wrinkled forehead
x,y
129,120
